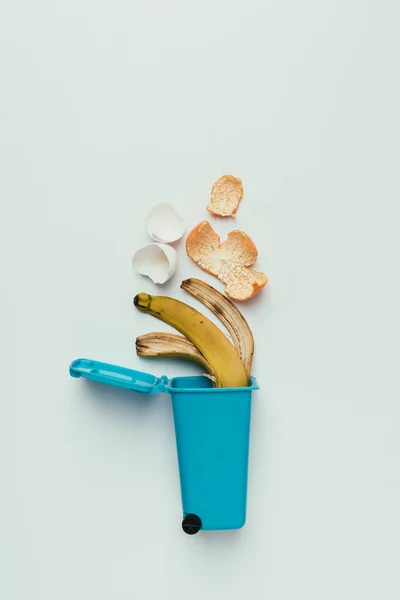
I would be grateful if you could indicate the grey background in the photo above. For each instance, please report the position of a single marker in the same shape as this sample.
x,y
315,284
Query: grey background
x,y
108,107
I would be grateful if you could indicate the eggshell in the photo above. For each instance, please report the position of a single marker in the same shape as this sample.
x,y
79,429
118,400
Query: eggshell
x,y
164,224
156,261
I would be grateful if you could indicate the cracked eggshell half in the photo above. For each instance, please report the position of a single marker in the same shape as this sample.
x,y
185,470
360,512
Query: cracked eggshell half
x,y
156,261
164,224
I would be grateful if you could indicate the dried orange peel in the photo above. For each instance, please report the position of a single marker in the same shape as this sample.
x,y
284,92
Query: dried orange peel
x,y
229,261
226,194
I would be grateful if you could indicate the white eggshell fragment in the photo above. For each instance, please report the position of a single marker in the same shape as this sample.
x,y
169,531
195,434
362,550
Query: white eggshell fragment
x,y
164,224
156,261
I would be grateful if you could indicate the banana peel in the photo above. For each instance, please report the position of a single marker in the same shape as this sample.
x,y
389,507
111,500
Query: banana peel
x,y
228,314
170,345
218,351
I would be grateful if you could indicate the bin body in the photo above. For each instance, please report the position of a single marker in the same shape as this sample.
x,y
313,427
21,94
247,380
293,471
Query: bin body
x,y
212,428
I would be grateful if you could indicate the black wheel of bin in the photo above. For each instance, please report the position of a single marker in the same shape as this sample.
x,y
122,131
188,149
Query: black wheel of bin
x,y
191,524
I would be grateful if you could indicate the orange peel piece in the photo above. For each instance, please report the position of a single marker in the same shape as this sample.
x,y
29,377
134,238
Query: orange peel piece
x,y
229,261
226,194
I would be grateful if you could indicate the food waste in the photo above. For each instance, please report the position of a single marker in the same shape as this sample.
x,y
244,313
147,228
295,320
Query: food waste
x,y
226,195
229,261
227,363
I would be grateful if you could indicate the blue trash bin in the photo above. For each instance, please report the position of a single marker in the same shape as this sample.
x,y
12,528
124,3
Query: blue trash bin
x,y
212,428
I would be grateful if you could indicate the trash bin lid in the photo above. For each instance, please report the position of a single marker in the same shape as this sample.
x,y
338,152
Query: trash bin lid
x,y
118,376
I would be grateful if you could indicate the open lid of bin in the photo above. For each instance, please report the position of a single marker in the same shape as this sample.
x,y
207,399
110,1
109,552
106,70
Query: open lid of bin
x,y
118,376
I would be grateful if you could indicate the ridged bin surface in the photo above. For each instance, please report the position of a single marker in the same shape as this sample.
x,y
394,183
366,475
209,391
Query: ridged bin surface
x,y
212,428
